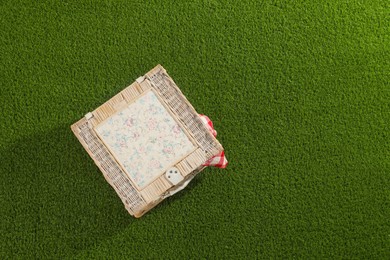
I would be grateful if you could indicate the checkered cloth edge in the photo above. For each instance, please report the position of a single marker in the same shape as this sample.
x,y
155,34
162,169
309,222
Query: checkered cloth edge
x,y
219,160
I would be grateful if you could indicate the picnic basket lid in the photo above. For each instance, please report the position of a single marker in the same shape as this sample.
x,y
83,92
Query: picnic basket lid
x,y
148,141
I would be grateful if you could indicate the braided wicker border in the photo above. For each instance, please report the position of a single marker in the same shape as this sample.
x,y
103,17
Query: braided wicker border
x,y
138,202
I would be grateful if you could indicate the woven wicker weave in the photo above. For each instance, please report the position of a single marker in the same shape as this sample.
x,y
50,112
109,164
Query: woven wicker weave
x,y
138,200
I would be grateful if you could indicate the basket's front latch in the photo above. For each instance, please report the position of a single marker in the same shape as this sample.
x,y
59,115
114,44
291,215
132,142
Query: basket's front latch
x,y
174,177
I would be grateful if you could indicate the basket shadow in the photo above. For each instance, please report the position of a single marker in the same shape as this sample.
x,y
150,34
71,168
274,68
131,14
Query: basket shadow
x,y
55,201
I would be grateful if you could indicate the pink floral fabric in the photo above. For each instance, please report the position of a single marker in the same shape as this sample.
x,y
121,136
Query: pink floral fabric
x,y
145,139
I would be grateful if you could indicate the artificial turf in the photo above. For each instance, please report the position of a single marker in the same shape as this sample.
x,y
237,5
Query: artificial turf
x,y
299,94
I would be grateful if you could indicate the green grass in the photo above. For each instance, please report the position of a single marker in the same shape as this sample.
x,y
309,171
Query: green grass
x,y
298,91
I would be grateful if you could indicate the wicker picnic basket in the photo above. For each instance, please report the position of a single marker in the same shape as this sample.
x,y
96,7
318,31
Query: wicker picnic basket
x,y
148,141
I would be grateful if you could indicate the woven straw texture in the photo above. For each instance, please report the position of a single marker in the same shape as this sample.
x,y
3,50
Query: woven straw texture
x,y
138,199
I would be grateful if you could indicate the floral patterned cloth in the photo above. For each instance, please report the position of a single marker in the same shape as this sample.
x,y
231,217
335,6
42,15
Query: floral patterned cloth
x,y
145,139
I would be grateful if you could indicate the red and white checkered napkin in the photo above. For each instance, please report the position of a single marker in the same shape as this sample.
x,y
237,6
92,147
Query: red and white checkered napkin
x,y
219,160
